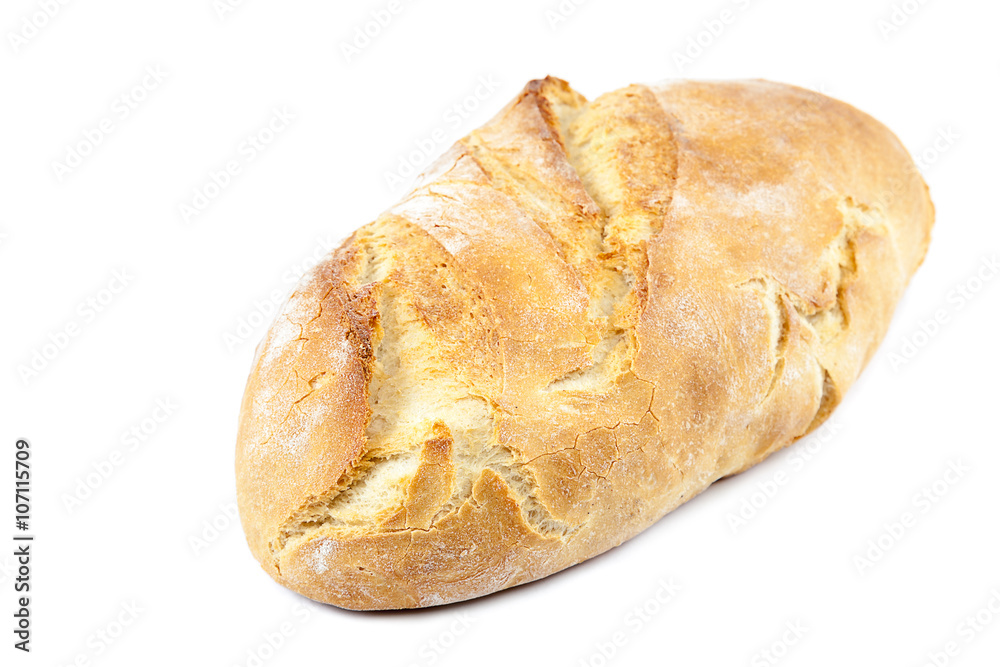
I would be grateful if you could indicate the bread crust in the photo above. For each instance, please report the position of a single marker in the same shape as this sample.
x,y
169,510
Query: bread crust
x,y
583,315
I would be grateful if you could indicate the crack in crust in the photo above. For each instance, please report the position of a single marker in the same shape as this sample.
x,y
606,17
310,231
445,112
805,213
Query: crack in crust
x,y
396,427
831,320
618,224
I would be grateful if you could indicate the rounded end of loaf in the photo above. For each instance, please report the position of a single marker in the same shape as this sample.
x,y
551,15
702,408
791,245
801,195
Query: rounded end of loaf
x,y
361,469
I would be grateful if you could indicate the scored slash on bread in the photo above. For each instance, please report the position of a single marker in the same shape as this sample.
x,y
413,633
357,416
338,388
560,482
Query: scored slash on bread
x,y
583,315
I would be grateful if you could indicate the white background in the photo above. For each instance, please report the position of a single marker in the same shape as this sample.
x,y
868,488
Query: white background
x,y
191,284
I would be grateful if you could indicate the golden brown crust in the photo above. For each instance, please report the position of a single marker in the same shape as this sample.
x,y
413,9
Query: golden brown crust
x,y
583,315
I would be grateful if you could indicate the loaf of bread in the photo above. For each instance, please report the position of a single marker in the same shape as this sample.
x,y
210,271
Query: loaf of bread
x,y
583,315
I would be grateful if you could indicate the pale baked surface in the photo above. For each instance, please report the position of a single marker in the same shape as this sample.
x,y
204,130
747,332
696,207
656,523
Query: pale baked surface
x,y
582,316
